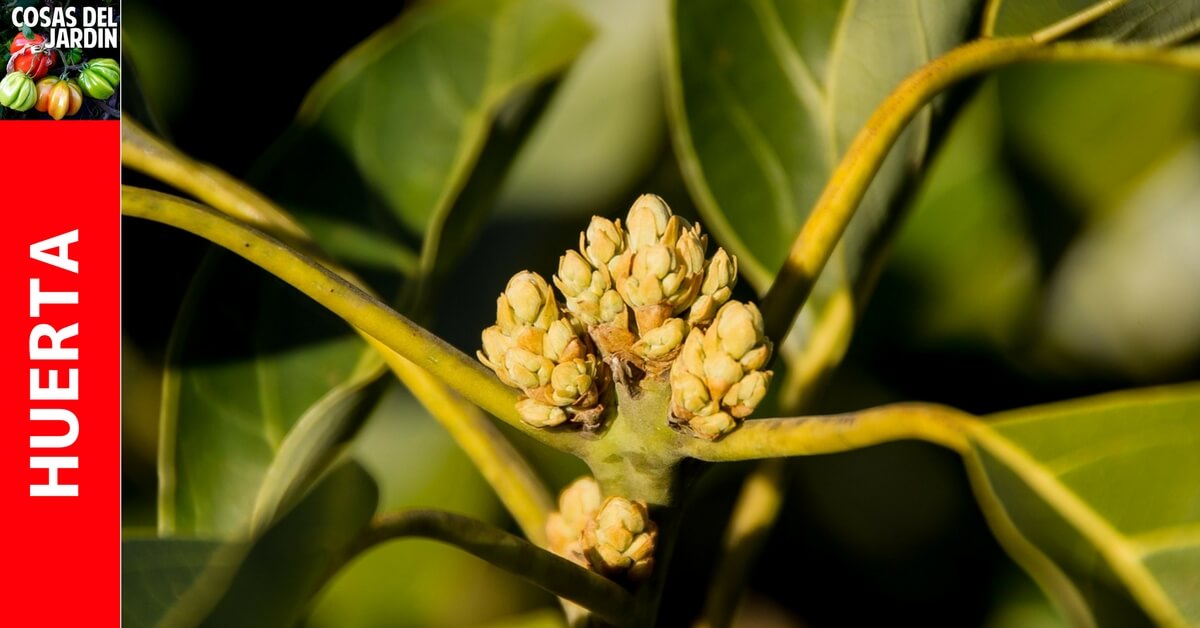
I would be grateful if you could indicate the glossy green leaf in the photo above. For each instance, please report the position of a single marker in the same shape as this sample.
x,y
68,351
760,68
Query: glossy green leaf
x,y
1107,488
414,129
766,95
249,360
270,581
1022,17
1142,21
155,573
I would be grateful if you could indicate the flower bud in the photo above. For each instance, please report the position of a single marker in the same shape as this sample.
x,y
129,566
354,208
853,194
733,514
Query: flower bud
x,y
577,504
561,343
574,382
527,369
718,378
587,291
535,348
713,426
660,271
620,539
539,414
527,301
647,220
661,343
603,241
719,279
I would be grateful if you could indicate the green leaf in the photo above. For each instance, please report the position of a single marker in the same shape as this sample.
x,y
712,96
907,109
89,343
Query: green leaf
x,y
268,582
766,95
1022,17
395,133
249,360
1158,22
1106,487
155,573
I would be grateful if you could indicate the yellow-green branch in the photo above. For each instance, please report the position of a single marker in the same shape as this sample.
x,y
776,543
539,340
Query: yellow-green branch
x,y
351,303
848,183
519,488
603,597
835,433
151,156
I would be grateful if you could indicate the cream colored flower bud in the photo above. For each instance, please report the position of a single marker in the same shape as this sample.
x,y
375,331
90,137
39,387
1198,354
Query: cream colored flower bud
x,y
718,378
574,382
539,414
661,342
743,398
603,241
527,301
495,345
587,290
577,504
690,393
647,221
660,272
620,539
719,280
738,328
527,369
713,426
562,343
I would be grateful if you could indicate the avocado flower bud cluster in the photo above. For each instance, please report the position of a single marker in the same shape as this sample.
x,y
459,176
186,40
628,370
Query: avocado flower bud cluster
x,y
535,348
639,300
613,536
719,377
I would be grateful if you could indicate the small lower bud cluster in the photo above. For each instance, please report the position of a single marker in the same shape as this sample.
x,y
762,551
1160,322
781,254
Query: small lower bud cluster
x,y
644,298
612,536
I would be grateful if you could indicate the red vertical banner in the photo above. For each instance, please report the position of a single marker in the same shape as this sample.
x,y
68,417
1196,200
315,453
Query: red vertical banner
x,y
60,248
60,437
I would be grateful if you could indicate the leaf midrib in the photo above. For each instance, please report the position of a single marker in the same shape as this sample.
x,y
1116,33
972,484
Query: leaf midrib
x,y
1121,554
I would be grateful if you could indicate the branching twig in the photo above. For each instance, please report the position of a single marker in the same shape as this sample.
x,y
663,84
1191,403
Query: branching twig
x,y
603,597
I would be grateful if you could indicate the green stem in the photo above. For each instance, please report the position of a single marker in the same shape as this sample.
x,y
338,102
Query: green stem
x,y
810,435
848,184
559,576
638,455
363,311
149,155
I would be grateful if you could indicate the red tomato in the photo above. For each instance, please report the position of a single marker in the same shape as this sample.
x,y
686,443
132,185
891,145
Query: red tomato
x,y
30,55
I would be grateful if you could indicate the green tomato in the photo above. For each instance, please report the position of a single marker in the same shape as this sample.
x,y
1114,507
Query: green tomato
x,y
99,78
17,92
